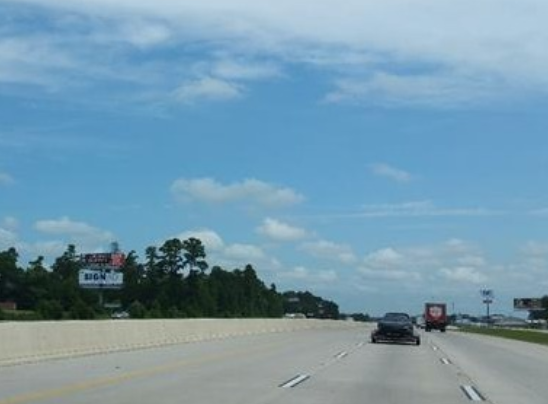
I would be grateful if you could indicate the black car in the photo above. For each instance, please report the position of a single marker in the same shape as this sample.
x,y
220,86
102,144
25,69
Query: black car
x,y
395,327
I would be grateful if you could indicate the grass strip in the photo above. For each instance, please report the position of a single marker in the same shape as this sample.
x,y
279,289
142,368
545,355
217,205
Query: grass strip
x,y
533,336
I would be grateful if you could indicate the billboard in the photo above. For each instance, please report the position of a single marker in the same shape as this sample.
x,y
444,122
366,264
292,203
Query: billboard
x,y
92,279
103,260
528,303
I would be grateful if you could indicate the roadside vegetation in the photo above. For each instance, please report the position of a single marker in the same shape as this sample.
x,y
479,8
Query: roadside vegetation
x,y
533,336
172,281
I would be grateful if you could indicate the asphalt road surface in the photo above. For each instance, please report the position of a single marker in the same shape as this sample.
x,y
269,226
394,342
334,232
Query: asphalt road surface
x,y
304,367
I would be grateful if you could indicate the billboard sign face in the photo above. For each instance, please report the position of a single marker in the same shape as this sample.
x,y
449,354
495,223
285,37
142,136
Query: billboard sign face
x,y
91,279
103,260
528,304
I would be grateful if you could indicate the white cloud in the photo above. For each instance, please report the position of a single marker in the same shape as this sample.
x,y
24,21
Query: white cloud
x,y
207,89
535,248
452,260
464,274
243,70
388,171
10,222
407,90
209,238
419,209
430,52
298,272
472,260
231,255
386,257
48,249
244,252
82,234
279,231
6,179
303,275
250,191
389,264
388,275
7,238
144,35
328,250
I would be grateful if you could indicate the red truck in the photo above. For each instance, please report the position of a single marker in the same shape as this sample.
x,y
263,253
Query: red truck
x,y
435,316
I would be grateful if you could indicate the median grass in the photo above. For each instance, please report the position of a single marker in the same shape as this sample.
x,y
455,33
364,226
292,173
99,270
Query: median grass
x,y
532,336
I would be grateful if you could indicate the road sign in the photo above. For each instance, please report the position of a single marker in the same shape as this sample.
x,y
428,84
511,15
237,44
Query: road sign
x,y
528,303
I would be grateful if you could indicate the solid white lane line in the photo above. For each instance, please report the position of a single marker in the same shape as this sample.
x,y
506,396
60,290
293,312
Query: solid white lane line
x,y
472,393
294,381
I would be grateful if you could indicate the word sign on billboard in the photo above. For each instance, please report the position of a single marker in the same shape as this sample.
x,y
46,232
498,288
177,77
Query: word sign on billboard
x,y
528,304
90,279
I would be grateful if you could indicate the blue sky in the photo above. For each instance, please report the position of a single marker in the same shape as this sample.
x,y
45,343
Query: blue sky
x,y
379,154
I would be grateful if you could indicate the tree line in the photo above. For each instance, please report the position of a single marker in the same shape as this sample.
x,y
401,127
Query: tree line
x,y
173,280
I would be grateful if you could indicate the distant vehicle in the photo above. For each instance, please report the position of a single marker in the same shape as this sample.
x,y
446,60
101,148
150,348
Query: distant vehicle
x,y
119,315
295,315
419,322
395,327
435,316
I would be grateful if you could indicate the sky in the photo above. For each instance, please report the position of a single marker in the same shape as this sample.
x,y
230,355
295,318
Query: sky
x,y
379,154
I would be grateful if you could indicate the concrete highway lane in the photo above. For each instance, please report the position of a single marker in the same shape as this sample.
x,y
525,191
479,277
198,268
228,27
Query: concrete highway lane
x,y
301,367
505,371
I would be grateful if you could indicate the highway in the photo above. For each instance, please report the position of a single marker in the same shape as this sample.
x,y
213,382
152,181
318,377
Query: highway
x,y
336,365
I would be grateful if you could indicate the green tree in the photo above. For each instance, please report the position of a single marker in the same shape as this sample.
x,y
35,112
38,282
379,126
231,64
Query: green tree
x,y
194,256
10,275
171,260
66,266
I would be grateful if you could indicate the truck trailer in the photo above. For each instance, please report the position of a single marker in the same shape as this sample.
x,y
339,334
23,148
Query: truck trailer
x,y
435,316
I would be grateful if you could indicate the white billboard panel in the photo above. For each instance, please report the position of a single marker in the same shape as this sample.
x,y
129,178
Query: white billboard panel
x,y
92,279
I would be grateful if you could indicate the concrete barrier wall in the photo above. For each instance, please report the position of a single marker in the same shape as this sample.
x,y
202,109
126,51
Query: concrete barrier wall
x,y
22,342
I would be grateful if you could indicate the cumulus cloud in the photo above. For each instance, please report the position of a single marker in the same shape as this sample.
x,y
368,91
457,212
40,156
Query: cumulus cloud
x,y
249,191
81,233
332,251
244,252
464,274
386,257
390,172
231,255
452,260
209,238
280,231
